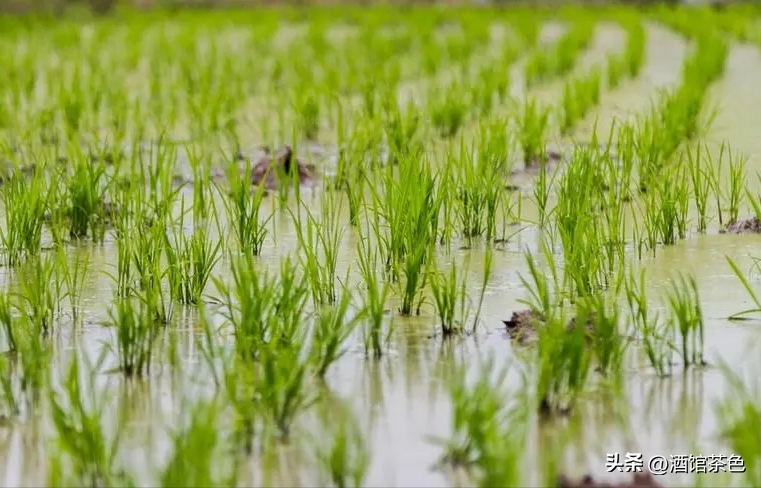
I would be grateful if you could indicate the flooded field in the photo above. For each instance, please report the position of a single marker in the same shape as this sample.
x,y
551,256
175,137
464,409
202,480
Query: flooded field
x,y
422,247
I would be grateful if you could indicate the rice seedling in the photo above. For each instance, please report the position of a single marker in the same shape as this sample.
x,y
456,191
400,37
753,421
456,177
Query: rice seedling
x,y
532,131
748,288
345,459
137,333
24,202
543,289
87,456
280,387
657,337
449,110
36,294
87,194
687,318
195,460
601,319
408,118
486,432
244,211
635,46
563,365
190,261
449,296
375,293
6,320
318,246
699,166
739,415
262,309
410,210
332,329
74,275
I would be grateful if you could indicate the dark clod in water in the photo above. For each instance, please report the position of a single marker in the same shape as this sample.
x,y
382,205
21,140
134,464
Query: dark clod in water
x,y
745,226
266,169
550,157
639,480
524,325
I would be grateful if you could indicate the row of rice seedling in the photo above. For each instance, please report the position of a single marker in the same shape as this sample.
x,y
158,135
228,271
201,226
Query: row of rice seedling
x,y
94,166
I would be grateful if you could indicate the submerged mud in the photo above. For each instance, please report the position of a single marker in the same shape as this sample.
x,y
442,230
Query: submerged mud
x,y
743,226
524,326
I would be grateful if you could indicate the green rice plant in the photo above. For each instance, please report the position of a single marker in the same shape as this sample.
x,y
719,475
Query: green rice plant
x,y
667,205
124,273
280,386
147,248
10,401
748,288
262,309
86,196
477,186
401,130
307,110
319,241
410,210
74,275
579,225
24,202
162,192
532,131
538,68
570,111
601,319
635,46
7,322
700,177
87,456
542,288
739,414
137,333
737,184
344,460
542,189
448,110
333,327
687,318
196,446
36,293
657,338
203,201
354,187
244,210
487,433
564,361
375,294
450,297
190,261
616,69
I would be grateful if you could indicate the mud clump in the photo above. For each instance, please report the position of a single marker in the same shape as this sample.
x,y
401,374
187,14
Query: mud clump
x,y
267,169
639,480
524,326
549,157
744,226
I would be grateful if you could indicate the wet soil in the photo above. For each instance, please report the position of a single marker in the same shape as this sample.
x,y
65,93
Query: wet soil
x,y
524,326
743,226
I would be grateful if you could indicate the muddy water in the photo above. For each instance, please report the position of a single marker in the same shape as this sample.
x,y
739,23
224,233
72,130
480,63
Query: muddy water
x,y
401,401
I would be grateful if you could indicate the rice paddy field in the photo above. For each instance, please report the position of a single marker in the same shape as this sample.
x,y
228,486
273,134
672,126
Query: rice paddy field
x,y
381,246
